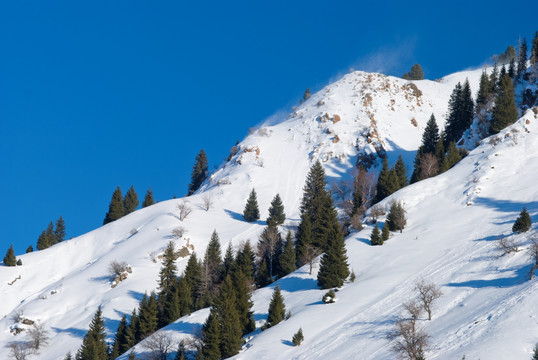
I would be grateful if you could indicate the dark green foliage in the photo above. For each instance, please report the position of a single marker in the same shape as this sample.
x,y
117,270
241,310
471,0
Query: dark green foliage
x,y
286,261
47,238
93,345
120,344
148,199
304,239
501,74
441,157
263,278
333,270
416,73
535,352
382,187
430,136
523,222
375,237
493,78
277,309
270,248
244,303
131,331
168,303
10,259
131,356
251,212
396,218
116,210
453,155
390,181
306,94
385,233
147,316
231,331
229,260
276,212
508,55
245,261
352,276
415,176
29,249
185,297
68,356
211,336
130,201
213,267
484,90
534,51
504,111
193,278
59,231
199,172
522,58
512,69
461,112
298,337
329,297
19,262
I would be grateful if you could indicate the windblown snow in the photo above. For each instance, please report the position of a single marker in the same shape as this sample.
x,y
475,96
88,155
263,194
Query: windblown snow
x,y
488,307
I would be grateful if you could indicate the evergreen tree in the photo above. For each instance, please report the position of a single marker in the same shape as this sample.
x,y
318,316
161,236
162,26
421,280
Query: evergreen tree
x,y
501,74
385,233
522,58
184,296
298,337
231,331
334,270
59,232
441,157
68,356
484,90
199,172
523,222
383,185
29,249
430,136
276,212
211,337
9,258
534,51
394,181
93,345
148,316
493,78
251,212
168,303
213,267
116,209
19,262
270,248
245,261
504,111
148,199
181,351
131,331
512,69
461,112
193,278
453,155
130,201
120,342
416,176
46,239
535,350
375,237
243,301
316,202
396,218
307,94
263,277
304,239
416,72
287,259
229,260
277,309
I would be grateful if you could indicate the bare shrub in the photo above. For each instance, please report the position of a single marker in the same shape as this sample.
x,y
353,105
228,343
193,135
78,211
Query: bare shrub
x,y
428,292
159,344
429,165
207,201
38,336
184,210
117,267
17,316
408,341
376,211
507,245
356,222
19,350
179,232
309,255
365,182
533,255
183,252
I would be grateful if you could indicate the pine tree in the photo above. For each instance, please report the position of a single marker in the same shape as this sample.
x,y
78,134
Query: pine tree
x,y
270,248
93,345
131,331
512,69
307,94
401,172
523,222
394,181
213,266
29,249
47,238
245,261
10,259
120,342
375,237
168,303
229,260
263,278
304,239
396,218
148,199
385,233
383,186
147,316
193,277
287,259
430,136
276,212
461,112
416,72
441,157
251,212
231,331
68,356
504,111
453,155
522,58
493,78
243,301
277,309
467,105
19,262
184,296
534,51
334,270
59,232
211,337
116,209
535,350
483,90
416,176
298,337
199,172
130,201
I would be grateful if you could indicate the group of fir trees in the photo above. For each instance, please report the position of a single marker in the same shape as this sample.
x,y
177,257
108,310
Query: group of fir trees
x,y
120,206
416,73
390,180
431,158
199,172
460,113
51,235
276,210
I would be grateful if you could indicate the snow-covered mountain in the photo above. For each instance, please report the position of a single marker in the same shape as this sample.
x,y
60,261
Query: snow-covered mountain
x,y
454,223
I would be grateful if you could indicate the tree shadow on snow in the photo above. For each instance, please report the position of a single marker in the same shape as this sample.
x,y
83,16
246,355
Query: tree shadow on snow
x,y
239,217
112,324
101,279
287,342
294,283
136,295
508,206
521,276
80,333
491,238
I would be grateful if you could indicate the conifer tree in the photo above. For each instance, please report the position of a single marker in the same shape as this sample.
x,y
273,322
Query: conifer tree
x,y
334,270
229,260
93,345
211,337
416,72
213,267
59,231
383,185
501,74
245,261
523,222
394,180
534,51
461,112
181,351
483,90
263,278
148,198
47,238
29,249
168,302
287,259
131,331
199,172
298,337
193,277
512,68
68,356
116,209
243,301
9,258
396,218
441,157
270,248
130,201
19,262
522,58
276,212
415,176
231,331
251,212
430,136
453,155
120,343
375,237
304,239
493,78
504,111
385,233
184,296
277,309
535,350
148,316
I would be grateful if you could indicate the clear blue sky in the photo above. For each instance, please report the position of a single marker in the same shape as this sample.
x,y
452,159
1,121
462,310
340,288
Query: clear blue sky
x,y
98,94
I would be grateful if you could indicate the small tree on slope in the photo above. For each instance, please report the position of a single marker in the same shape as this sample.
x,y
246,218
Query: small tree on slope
x,y
334,268
396,218
116,209
93,345
277,309
10,259
251,212
523,222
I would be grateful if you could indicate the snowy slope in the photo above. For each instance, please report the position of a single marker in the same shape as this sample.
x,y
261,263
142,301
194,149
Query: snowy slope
x,y
453,222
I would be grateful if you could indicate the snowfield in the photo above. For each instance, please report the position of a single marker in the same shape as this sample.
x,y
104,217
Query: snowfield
x,y
488,307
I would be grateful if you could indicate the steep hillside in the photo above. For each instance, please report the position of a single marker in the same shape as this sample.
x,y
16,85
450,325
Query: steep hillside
x,y
453,222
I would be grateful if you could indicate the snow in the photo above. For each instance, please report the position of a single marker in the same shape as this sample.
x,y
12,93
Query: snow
x,y
454,222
